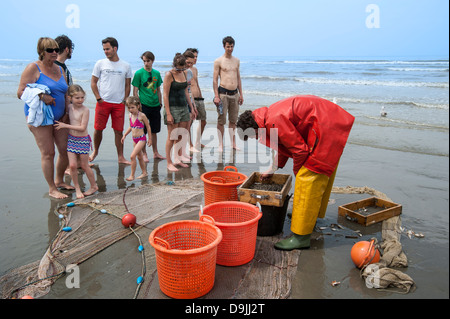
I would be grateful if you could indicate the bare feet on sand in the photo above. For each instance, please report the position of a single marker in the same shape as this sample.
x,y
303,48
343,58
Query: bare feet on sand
x,y
67,171
196,148
172,168
93,156
158,156
91,191
181,164
143,175
80,194
131,177
65,186
185,159
123,160
57,194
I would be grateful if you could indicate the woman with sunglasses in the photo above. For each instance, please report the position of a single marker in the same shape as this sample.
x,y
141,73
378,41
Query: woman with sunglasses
x,y
46,72
176,114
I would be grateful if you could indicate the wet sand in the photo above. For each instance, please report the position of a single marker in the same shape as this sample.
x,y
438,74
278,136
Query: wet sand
x,y
418,182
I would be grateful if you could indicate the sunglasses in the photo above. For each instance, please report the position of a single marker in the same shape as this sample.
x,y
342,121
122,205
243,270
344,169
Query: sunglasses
x,y
50,50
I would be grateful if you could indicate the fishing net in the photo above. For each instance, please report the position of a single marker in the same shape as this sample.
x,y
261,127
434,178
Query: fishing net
x,y
95,224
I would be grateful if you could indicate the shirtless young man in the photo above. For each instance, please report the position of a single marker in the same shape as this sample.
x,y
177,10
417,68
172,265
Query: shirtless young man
x,y
229,93
199,103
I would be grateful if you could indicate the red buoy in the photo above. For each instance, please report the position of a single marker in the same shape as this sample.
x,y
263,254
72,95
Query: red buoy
x,y
128,220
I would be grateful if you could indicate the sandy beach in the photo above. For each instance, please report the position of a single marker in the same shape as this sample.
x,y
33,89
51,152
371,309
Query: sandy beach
x,y
418,182
403,155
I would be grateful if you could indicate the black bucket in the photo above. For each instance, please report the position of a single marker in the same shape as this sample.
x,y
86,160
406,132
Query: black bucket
x,y
272,220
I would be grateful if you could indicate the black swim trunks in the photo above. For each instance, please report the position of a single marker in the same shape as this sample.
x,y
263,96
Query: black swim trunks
x,y
153,114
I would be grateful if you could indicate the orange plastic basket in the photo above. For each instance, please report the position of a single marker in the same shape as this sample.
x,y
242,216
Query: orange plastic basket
x,y
238,222
222,185
186,254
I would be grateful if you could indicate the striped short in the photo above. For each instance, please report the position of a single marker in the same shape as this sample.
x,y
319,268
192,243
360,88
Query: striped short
x,y
79,144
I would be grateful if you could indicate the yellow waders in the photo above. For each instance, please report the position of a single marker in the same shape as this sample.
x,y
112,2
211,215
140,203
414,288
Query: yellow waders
x,y
311,195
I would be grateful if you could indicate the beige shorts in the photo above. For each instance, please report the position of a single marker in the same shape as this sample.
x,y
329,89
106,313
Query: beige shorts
x,y
200,105
231,107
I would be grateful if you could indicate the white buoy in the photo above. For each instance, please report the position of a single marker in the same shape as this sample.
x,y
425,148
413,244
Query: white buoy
x,y
383,112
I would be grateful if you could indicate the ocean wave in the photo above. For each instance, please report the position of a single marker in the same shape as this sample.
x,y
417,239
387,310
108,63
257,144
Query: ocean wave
x,y
386,102
365,62
14,60
419,69
266,77
325,81
418,125
443,85
9,74
343,100
269,93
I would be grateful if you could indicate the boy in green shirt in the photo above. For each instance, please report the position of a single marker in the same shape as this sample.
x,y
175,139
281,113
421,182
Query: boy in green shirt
x,y
147,86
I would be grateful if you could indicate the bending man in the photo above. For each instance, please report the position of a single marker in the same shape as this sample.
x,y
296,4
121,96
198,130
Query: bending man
x,y
313,132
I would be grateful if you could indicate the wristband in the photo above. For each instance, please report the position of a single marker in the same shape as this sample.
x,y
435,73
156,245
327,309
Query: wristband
x,y
98,100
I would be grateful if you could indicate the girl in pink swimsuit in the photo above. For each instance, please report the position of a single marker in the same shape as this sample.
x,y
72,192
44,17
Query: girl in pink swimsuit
x,y
138,121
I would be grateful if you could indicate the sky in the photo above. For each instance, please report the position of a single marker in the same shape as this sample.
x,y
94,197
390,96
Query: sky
x,y
304,28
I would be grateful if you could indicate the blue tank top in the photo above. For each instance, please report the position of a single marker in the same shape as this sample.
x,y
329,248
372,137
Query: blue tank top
x,y
58,89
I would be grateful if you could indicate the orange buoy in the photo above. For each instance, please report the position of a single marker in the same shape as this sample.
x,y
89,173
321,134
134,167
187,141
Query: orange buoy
x,y
364,253
128,220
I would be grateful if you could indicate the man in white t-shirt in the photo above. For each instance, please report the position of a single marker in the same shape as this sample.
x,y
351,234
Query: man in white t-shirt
x,y
111,85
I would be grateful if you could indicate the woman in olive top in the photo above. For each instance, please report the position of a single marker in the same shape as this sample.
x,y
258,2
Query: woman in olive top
x,y
176,114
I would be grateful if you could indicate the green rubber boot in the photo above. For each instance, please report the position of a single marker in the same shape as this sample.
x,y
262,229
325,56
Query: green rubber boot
x,y
294,242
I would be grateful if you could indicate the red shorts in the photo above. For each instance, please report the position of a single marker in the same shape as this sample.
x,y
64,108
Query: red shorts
x,y
102,112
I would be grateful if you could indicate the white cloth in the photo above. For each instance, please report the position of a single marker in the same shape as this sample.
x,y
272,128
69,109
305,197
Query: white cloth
x,y
30,96
111,79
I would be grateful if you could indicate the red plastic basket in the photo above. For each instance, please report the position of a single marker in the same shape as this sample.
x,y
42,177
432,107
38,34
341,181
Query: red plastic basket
x,y
222,185
238,222
186,254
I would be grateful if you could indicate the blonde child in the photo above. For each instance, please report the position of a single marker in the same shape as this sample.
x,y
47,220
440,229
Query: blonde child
x,y
138,121
79,141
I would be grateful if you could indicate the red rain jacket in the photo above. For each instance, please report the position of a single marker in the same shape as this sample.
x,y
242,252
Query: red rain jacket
x,y
311,130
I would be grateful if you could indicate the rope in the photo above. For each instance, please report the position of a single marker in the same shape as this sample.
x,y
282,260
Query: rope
x,y
63,217
140,282
48,249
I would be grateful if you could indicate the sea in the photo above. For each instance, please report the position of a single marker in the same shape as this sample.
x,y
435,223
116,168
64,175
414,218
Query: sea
x,y
404,154
412,91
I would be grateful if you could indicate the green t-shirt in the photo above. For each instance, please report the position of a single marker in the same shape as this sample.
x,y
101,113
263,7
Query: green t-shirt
x,y
147,88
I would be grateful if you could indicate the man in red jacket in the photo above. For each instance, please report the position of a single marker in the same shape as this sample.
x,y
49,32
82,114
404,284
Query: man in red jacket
x,y
313,132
